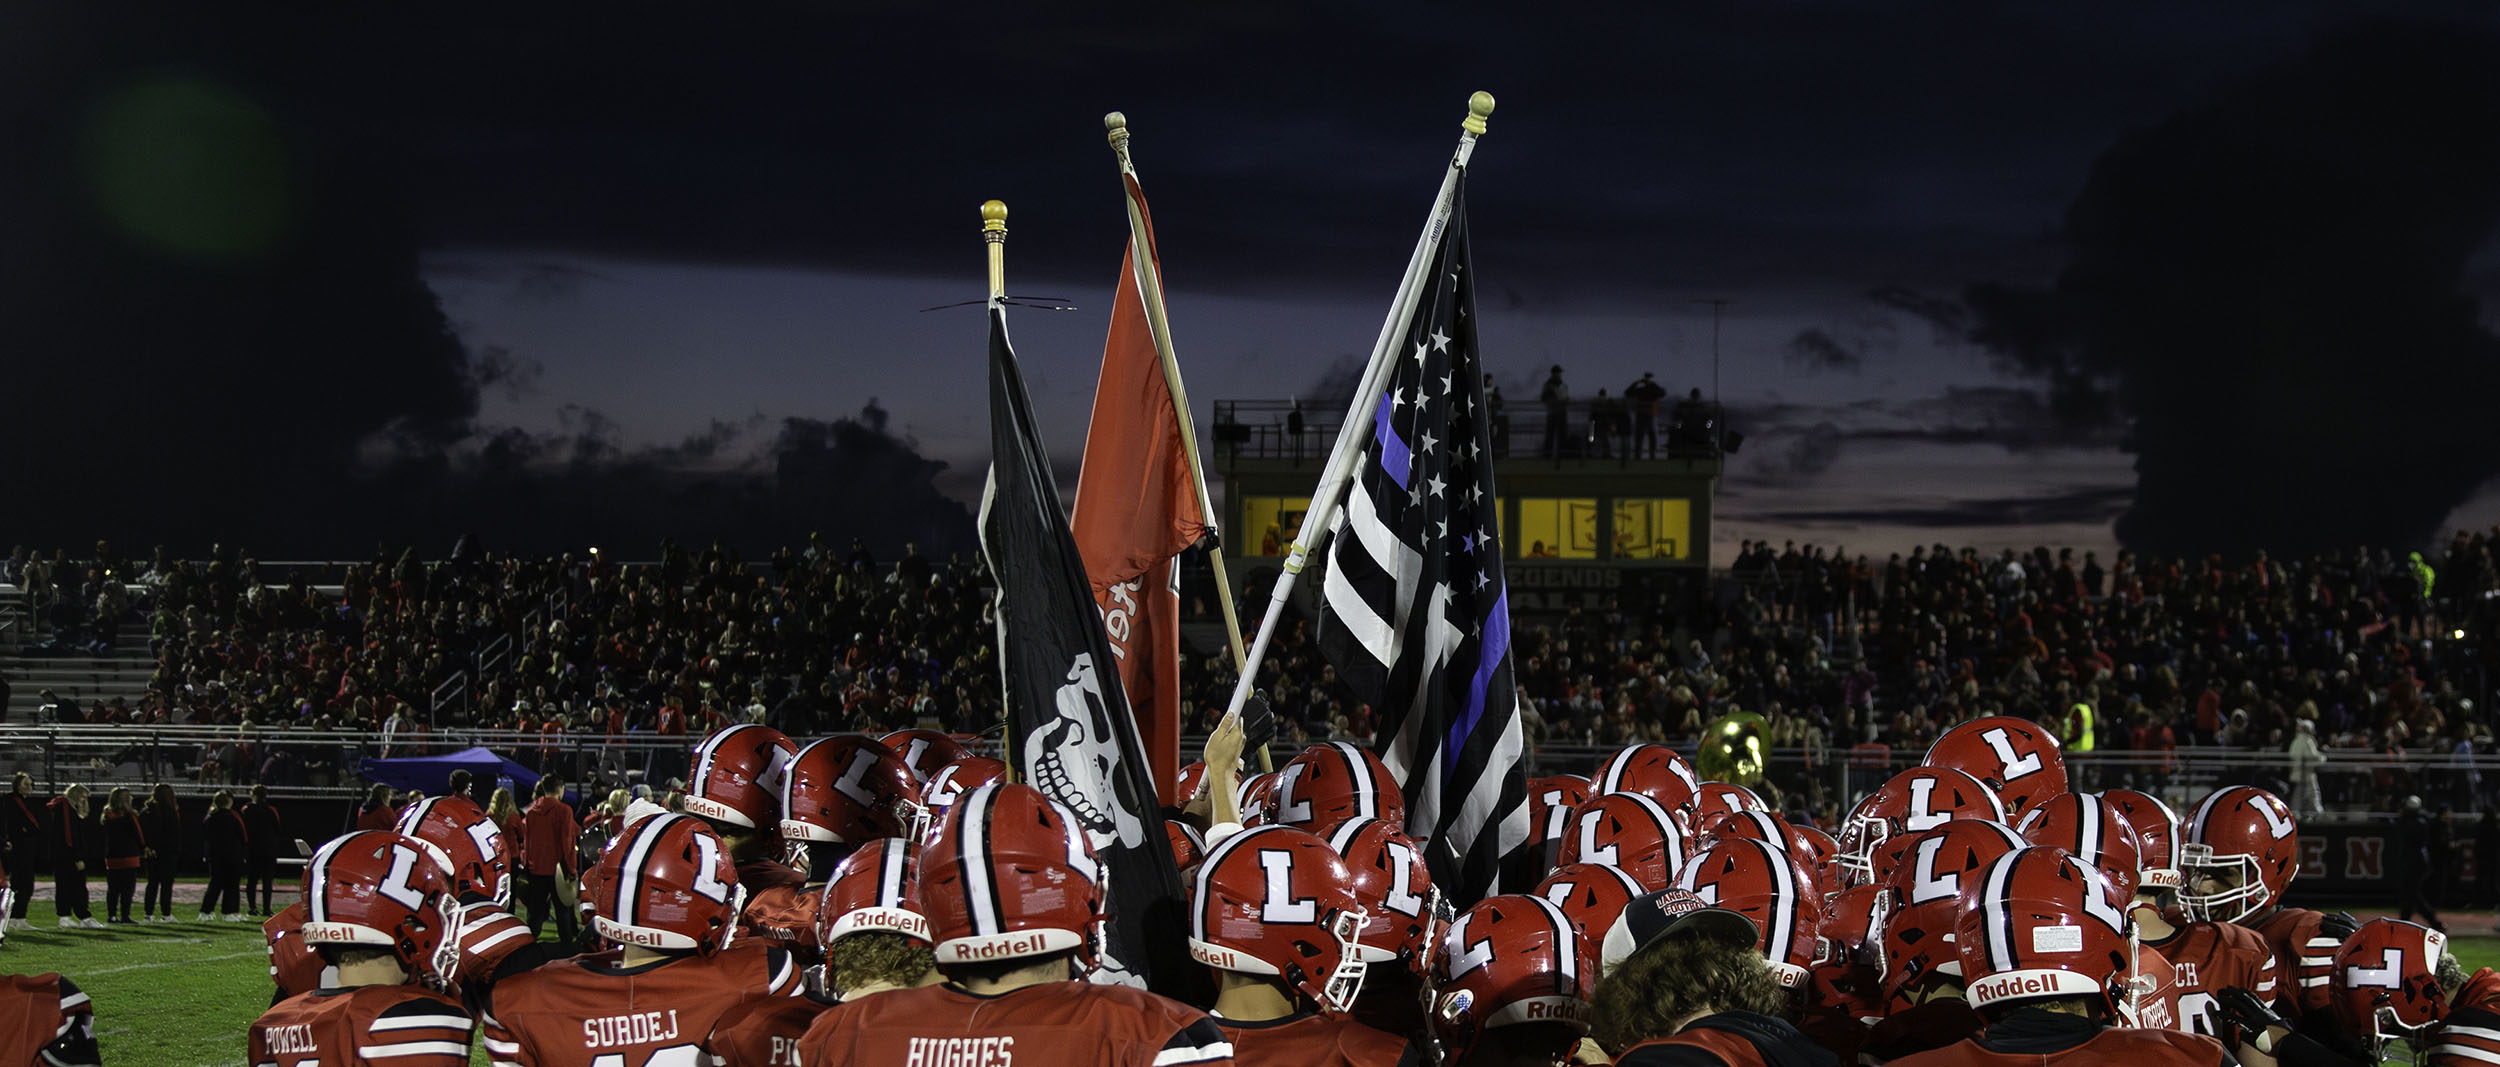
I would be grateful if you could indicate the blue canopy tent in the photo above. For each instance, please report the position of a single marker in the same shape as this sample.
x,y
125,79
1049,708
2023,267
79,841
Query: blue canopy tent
x,y
432,774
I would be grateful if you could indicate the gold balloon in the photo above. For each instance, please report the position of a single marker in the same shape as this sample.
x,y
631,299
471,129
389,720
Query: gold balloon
x,y
1732,749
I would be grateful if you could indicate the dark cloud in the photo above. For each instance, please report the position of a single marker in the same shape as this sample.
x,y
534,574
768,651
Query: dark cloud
x,y
2268,287
1815,352
2080,506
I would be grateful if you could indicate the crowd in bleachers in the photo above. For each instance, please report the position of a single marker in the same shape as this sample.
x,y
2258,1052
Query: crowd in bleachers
x,y
2368,649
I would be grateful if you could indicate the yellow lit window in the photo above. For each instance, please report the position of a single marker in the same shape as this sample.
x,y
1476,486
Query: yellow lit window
x,y
1653,529
1274,522
1556,528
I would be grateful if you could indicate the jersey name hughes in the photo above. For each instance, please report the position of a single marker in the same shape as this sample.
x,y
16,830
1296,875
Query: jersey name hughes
x,y
296,1038
962,1052
640,1028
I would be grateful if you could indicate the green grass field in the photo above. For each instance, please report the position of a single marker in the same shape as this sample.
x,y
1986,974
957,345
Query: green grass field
x,y
183,995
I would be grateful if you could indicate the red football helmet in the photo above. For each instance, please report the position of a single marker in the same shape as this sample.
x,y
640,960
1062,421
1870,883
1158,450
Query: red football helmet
x,y
666,883
848,790
1332,782
1550,801
1395,889
1189,847
477,857
924,751
1653,771
2244,842
1256,795
1717,797
1010,874
1509,961
1763,883
2386,983
872,891
939,794
1848,972
2016,757
1592,896
737,777
386,890
2092,829
1771,830
2159,827
1914,801
1274,900
1822,851
1629,832
1925,899
2041,923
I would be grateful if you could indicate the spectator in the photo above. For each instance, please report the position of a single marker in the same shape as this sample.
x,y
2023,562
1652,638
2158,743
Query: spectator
x,y
226,842
161,820
457,784
77,848
548,832
2304,762
22,836
1644,396
1604,413
507,815
378,813
125,852
264,834
1557,400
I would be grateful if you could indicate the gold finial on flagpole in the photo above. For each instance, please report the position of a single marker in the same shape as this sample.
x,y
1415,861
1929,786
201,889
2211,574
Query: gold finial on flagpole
x,y
1479,108
994,231
1117,126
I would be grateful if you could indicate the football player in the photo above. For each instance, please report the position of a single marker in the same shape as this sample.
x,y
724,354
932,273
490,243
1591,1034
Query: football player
x,y
735,788
381,916
1914,801
2043,945
1694,991
1772,891
1631,833
1511,987
1550,803
874,942
1925,1005
50,1022
837,795
1013,897
2242,850
462,842
2205,957
1653,771
2015,757
1592,896
925,751
2091,828
667,893
1275,916
1406,913
2396,988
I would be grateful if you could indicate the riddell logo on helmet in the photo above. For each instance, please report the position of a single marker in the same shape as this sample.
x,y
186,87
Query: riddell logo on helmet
x,y
1032,944
2020,985
1214,957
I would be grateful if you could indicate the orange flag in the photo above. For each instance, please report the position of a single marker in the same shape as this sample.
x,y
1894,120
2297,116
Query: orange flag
x,y
1137,507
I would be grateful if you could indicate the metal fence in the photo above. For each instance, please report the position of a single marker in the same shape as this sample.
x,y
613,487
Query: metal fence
x,y
306,763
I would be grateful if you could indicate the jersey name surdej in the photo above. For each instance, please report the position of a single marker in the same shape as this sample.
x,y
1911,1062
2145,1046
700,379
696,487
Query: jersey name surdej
x,y
639,1028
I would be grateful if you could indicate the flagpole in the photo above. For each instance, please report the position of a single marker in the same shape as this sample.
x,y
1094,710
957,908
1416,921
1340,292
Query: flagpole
x,y
1350,435
994,235
1150,289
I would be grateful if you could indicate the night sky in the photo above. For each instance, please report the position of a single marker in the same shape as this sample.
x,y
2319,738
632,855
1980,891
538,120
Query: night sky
x,y
2188,277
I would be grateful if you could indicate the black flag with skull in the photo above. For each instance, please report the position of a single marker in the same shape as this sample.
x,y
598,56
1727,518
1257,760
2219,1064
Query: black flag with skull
x,y
1069,732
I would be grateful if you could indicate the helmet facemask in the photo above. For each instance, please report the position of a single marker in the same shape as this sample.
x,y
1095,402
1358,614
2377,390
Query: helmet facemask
x,y
2244,894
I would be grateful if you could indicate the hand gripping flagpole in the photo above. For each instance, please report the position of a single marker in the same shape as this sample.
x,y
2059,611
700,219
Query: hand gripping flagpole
x,y
1350,435
1150,288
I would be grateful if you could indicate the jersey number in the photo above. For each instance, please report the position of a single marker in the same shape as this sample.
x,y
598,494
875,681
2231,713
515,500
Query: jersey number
x,y
672,1056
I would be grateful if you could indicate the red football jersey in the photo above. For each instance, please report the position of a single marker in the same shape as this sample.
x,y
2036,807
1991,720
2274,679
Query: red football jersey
x,y
2470,1037
380,1025
1054,1024
2127,1045
764,1033
1919,1029
593,1011
783,915
760,875
1316,1041
488,934
2207,958
293,965
44,1019
2155,997
2304,956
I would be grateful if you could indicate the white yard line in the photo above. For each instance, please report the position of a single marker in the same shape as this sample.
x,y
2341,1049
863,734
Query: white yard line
x,y
175,963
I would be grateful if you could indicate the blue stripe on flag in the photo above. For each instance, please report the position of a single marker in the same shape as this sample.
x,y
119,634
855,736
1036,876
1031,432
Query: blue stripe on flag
x,y
1395,457
1489,656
